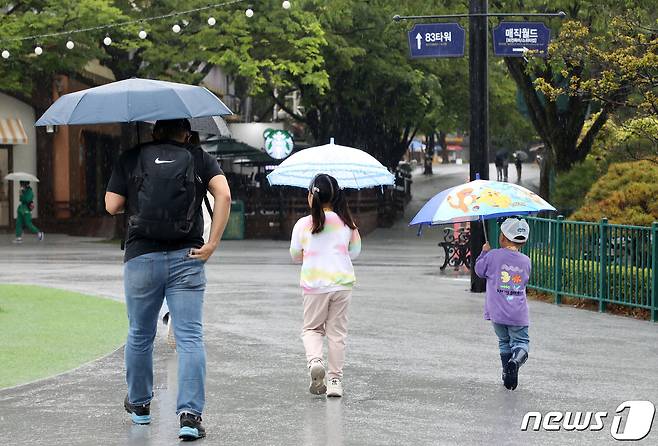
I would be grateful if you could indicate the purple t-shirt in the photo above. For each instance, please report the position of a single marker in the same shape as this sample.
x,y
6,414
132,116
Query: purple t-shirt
x,y
507,273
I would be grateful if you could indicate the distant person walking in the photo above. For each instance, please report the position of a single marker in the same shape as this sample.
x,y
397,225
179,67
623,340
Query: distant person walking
x,y
507,271
326,242
161,186
519,166
502,164
24,213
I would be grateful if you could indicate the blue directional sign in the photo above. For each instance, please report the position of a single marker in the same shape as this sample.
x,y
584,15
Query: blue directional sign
x,y
436,40
515,39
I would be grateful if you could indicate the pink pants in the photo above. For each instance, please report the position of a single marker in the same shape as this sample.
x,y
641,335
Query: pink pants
x,y
326,314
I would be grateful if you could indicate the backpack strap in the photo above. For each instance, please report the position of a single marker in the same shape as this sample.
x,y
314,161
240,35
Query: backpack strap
x,y
197,152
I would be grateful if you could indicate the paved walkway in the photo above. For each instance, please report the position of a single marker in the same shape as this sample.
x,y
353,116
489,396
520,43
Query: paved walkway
x,y
422,366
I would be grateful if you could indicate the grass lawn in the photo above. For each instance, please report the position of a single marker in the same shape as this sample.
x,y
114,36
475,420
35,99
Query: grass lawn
x,y
45,331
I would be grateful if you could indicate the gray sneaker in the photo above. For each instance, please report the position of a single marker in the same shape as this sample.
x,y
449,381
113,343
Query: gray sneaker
x,y
335,387
317,386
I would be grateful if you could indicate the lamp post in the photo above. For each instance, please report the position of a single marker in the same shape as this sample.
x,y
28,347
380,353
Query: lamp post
x,y
479,103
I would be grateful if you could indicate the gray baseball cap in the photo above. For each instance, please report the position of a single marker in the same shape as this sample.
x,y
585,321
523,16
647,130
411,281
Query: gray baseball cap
x,y
515,229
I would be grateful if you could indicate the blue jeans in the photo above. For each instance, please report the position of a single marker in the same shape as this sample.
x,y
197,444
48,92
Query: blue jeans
x,y
511,337
148,279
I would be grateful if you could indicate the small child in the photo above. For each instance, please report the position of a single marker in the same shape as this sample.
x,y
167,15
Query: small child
x,y
326,242
507,272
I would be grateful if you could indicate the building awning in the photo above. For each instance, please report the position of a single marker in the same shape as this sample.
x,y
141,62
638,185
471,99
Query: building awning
x,y
12,131
454,148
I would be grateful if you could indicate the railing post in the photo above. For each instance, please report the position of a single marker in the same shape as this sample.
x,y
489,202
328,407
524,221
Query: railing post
x,y
558,259
654,272
603,264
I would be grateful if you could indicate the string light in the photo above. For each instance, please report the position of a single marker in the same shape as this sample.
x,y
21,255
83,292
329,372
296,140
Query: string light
x,y
107,41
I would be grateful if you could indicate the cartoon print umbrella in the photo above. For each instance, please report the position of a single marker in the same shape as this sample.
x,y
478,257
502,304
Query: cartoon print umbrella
x,y
479,199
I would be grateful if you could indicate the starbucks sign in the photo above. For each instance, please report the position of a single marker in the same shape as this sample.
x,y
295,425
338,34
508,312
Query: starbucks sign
x,y
278,143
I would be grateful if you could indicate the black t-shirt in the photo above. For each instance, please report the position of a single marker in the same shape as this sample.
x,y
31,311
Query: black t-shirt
x,y
119,181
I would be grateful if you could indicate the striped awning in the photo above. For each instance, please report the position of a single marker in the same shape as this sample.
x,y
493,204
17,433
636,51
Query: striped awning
x,y
12,131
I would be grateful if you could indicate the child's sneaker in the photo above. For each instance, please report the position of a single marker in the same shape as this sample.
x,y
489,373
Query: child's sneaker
x,y
190,427
18,240
139,413
40,235
317,386
335,387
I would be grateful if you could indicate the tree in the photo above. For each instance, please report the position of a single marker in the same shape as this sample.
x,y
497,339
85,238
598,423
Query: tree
x,y
24,70
275,47
559,90
378,99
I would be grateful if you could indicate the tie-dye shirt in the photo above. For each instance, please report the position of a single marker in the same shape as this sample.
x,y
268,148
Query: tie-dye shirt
x,y
507,273
326,257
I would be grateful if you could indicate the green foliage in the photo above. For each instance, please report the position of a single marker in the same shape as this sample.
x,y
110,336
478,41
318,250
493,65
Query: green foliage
x,y
580,278
572,186
24,69
276,47
626,194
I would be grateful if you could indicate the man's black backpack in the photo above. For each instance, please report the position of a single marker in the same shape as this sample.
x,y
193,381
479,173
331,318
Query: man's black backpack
x,y
163,200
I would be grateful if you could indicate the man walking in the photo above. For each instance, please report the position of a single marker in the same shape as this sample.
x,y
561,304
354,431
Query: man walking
x,y
161,185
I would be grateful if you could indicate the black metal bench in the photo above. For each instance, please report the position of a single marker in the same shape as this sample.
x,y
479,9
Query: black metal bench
x,y
456,247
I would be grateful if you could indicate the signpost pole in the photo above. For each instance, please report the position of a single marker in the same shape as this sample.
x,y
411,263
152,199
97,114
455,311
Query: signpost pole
x,y
479,129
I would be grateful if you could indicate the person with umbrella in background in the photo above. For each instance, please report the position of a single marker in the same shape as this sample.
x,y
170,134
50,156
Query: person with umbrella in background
x,y
24,213
161,185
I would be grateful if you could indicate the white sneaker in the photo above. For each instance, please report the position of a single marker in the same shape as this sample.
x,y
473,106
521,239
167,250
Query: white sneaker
x,y
18,240
40,236
317,386
335,387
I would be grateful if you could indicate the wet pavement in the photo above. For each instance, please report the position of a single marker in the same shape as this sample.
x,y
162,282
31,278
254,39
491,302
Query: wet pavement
x,y
422,366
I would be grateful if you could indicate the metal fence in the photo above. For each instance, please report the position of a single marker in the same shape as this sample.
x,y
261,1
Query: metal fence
x,y
597,261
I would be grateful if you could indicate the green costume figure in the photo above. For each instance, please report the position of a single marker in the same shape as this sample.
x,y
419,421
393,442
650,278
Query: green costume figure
x,y
24,213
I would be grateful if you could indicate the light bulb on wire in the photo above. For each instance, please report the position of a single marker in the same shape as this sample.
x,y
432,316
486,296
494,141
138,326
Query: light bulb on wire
x,y
249,12
143,34
211,21
107,41
5,54
286,4
176,28
38,50
70,44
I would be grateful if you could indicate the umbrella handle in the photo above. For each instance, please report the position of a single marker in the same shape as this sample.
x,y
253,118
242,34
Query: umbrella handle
x,y
484,228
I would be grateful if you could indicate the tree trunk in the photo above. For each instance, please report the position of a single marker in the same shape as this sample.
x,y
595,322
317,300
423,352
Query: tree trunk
x,y
444,146
545,172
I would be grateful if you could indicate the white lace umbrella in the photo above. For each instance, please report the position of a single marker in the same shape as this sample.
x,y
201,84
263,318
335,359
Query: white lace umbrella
x,y
352,168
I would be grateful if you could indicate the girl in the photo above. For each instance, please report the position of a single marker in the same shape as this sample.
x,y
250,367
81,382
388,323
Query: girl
x,y
326,242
